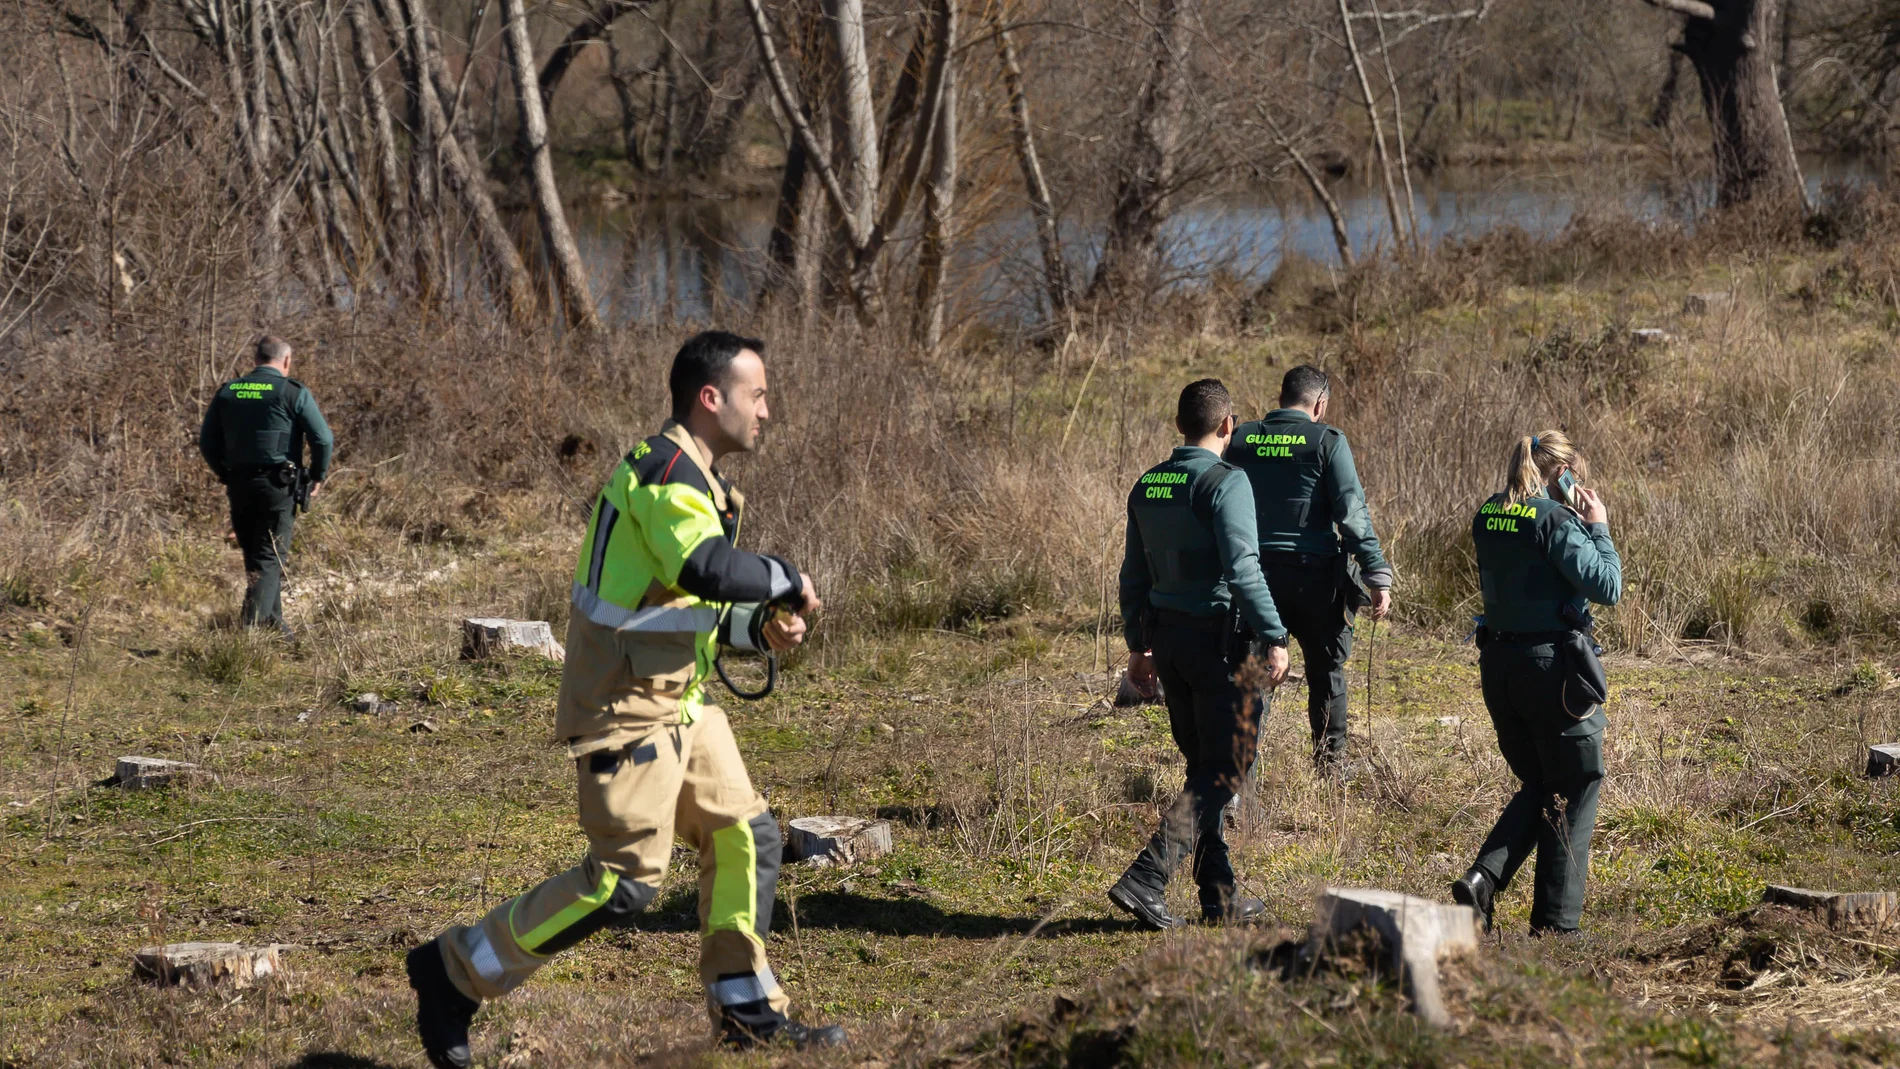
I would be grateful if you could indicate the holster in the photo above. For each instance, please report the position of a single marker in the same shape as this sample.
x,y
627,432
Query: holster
x,y
1238,636
1347,576
1585,684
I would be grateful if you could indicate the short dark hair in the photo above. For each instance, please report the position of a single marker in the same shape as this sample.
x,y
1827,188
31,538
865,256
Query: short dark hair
x,y
1303,386
705,360
1204,403
271,349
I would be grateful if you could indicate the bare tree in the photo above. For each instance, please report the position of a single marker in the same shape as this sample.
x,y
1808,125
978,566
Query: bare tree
x,y
564,257
1041,206
1727,41
940,190
1145,176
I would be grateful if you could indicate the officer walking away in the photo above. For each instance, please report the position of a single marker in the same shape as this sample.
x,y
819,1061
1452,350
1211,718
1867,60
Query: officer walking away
x,y
1314,529
659,585
1544,553
253,436
1194,605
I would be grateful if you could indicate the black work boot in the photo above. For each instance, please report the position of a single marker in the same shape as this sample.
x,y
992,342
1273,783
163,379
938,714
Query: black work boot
x,y
1475,889
1144,905
442,1012
1232,909
784,1032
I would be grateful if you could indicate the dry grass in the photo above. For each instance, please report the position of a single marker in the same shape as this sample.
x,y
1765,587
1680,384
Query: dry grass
x,y
961,515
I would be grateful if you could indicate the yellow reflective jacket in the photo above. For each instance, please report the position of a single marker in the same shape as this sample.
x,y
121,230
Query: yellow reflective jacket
x,y
659,583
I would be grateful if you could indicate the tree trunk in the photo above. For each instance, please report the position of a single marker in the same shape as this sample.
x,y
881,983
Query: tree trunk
x,y
940,190
514,290
1378,128
1131,252
1048,234
860,173
592,28
564,257
1754,152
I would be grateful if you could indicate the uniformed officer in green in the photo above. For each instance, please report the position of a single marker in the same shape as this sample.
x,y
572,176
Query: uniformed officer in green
x,y
659,585
1544,553
1194,607
1313,521
253,436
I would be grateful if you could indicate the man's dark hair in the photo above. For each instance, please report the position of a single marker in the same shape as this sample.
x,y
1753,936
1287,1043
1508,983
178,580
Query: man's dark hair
x,y
1204,403
1304,385
705,360
271,349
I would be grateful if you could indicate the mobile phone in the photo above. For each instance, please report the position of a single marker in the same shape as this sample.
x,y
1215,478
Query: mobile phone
x,y
1567,486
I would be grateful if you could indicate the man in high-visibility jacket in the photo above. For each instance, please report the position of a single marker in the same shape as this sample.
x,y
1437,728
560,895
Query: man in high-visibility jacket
x,y
659,585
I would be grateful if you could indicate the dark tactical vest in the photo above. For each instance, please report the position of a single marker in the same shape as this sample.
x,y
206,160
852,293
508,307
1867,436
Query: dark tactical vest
x,y
258,420
1281,457
1173,506
1524,593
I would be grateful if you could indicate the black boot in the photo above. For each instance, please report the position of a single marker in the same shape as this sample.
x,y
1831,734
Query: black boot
x,y
1146,906
442,1012
1232,909
1475,889
735,1035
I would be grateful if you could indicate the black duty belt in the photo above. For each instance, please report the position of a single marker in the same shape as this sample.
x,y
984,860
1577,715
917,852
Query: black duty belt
x,y
1289,559
1177,618
1531,638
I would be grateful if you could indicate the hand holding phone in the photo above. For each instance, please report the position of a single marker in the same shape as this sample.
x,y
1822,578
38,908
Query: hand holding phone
x,y
1567,487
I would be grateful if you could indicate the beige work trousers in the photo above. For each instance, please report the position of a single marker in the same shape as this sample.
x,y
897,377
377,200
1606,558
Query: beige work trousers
x,y
680,779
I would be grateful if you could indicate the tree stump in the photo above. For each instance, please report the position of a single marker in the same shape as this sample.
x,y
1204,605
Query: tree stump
x,y
826,841
1417,935
1642,336
147,773
1838,909
206,964
487,635
1884,760
1697,304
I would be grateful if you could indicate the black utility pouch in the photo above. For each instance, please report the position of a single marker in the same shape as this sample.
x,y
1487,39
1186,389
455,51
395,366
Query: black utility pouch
x,y
1585,684
1237,642
1346,575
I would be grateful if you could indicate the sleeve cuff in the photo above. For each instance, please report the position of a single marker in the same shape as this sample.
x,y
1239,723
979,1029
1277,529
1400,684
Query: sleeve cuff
x,y
784,578
1379,580
1596,529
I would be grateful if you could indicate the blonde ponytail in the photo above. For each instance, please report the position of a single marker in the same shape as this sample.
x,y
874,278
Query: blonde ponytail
x,y
1534,457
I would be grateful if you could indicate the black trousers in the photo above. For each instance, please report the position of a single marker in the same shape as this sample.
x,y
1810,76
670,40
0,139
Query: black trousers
x,y
1217,727
1558,759
262,509
1314,610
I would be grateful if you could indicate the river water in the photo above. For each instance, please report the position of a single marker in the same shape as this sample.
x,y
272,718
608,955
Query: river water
x,y
697,258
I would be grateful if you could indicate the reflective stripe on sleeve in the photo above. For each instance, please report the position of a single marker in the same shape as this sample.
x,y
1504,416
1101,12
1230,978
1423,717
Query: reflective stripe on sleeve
x,y
657,618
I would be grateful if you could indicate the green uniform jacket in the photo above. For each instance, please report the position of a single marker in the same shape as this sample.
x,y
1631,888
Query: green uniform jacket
x,y
1307,491
1195,560
1540,565
658,585
263,420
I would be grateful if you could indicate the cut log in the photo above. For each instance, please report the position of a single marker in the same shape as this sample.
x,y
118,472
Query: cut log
x,y
206,964
488,635
826,841
1417,935
147,773
1450,721
1884,760
1650,336
1839,909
